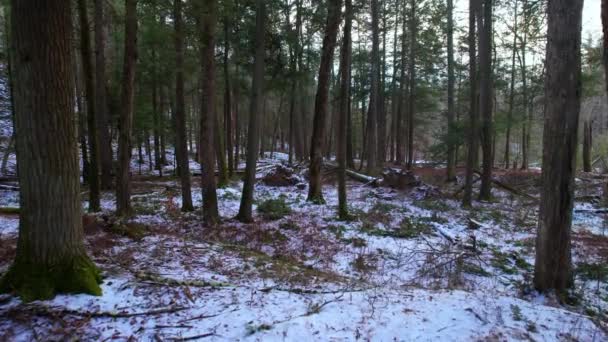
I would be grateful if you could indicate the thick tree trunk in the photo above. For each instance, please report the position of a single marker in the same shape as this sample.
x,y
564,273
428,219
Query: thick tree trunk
x,y
473,117
255,109
553,268
485,97
345,62
315,193
451,162
89,87
51,257
123,179
183,160
374,96
207,26
101,105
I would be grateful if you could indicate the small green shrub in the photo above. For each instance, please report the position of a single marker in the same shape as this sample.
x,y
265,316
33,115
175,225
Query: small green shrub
x,y
594,271
274,209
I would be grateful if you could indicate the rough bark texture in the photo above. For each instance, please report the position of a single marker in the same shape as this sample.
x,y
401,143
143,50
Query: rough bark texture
x,y
374,96
321,101
101,105
123,179
473,119
451,162
207,25
255,109
180,110
50,253
553,268
89,88
485,98
345,62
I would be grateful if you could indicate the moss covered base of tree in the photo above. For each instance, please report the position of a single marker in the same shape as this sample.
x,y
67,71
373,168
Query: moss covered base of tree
x,y
38,282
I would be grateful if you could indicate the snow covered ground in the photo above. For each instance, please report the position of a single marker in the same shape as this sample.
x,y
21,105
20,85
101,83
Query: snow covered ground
x,y
409,266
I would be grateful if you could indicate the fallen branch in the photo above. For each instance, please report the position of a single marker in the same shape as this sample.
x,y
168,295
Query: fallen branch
x,y
154,279
510,189
9,210
594,211
42,310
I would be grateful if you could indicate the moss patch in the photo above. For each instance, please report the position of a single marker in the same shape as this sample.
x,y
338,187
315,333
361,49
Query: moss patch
x,y
39,282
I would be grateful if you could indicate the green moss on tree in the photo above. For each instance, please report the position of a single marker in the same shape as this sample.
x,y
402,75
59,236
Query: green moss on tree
x,y
38,282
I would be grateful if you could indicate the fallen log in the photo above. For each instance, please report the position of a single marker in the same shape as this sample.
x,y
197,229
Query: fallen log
x,y
593,211
510,188
9,187
360,177
9,210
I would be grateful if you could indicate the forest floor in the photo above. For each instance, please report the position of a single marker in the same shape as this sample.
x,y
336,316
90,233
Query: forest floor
x,y
410,265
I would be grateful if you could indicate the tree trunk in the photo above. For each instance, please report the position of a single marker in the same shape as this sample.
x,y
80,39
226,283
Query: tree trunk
x,y
525,134
123,179
220,152
400,149
7,153
183,160
412,86
374,96
345,62
587,144
553,268
207,25
507,158
255,108
228,100
89,87
51,257
315,193
485,97
473,117
101,105
451,162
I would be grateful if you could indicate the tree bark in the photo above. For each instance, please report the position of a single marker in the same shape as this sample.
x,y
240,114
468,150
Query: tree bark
x,y
451,162
553,267
507,158
207,26
315,193
101,105
473,117
228,99
123,179
412,86
51,257
485,97
183,159
89,87
255,109
374,96
587,144
345,62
